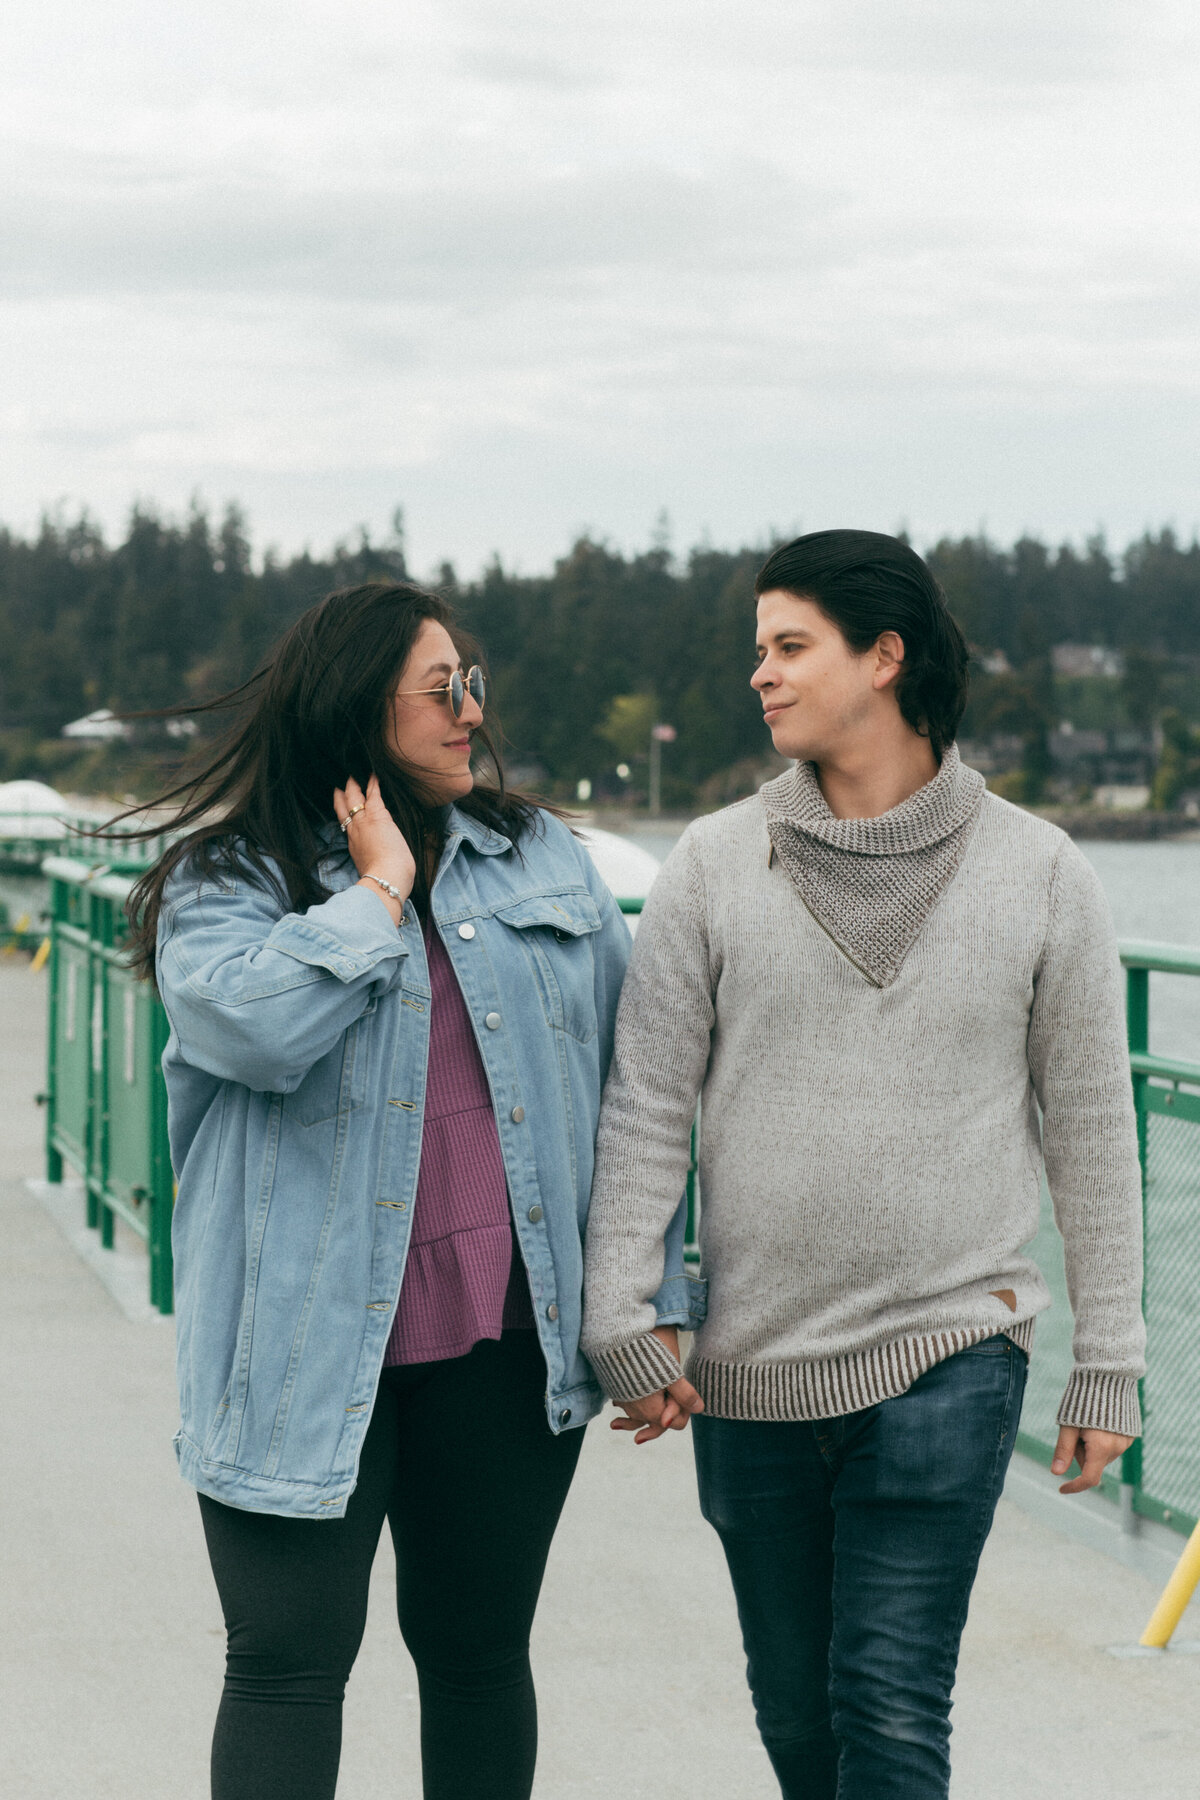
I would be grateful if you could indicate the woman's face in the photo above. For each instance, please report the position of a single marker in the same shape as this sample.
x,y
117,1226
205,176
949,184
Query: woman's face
x,y
422,730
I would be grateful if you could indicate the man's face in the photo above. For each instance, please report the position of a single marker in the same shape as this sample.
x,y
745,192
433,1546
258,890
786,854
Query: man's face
x,y
817,695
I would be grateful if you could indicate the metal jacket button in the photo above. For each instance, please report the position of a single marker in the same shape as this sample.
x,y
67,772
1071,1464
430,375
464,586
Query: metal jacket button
x,y
534,1215
552,1311
466,931
564,1417
492,1021
518,1115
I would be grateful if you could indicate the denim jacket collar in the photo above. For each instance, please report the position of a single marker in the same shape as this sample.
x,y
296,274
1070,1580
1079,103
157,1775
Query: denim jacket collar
x,y
459,825
481,837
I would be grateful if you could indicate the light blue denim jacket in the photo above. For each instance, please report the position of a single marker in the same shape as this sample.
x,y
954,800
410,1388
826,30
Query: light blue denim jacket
x,y
295,1075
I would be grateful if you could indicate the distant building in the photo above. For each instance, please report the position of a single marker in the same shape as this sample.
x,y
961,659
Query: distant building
x,y
1123,797
1116,761
1087,659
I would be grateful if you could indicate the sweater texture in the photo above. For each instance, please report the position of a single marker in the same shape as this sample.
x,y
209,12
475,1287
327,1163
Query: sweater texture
x,y
890,1024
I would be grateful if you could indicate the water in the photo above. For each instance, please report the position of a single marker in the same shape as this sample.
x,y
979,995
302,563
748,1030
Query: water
x,y
1154,892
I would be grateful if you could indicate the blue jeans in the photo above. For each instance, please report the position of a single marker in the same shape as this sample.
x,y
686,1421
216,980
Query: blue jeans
x,y
853,1545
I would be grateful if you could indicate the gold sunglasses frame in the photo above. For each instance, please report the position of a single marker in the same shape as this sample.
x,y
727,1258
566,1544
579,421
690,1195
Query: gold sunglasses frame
x,y
447,688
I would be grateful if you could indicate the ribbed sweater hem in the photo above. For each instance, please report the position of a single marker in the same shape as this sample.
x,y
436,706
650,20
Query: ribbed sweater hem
x,y
824,1389
834,1385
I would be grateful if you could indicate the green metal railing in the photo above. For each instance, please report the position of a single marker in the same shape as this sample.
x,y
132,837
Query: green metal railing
x,y
22,854
106,1103
106,1117
1159,1477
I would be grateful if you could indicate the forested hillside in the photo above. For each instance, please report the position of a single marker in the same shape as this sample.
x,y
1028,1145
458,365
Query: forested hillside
x,y
583,659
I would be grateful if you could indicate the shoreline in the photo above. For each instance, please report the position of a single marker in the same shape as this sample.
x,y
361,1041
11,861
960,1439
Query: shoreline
x,y
1095,823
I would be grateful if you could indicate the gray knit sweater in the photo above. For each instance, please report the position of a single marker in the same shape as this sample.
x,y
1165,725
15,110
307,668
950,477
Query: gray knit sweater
x,y
872,1012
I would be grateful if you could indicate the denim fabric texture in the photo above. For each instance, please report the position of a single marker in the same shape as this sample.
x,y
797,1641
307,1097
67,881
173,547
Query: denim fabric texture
x,y
295,1075
853,1544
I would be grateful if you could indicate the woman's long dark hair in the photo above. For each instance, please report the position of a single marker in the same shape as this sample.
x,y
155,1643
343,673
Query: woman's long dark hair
x,y
868,583
316,712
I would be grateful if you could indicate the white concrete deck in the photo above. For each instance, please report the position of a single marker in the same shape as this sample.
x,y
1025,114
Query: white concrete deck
x,y
111,1643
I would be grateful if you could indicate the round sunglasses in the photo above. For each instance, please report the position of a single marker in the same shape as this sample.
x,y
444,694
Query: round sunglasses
x,y
456,689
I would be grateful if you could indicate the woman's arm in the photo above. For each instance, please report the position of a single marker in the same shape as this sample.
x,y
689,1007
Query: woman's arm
x,y
258,998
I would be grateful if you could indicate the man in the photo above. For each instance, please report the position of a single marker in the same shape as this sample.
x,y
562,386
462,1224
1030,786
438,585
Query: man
x,y
873,974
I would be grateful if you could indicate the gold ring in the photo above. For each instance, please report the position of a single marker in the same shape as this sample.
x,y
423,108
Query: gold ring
x,y
351,813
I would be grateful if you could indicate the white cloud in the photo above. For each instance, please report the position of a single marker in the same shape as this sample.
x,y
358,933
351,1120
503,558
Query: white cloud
x,y
528,270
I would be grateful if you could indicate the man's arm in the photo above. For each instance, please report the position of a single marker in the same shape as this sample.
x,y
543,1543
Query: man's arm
x,y
1079,1064
663,1028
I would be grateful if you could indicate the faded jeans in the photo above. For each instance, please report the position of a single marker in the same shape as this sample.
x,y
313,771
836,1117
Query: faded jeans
x,y
853,1545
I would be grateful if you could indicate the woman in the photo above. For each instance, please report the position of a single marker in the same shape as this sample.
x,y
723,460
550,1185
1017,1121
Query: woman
x,y
391,993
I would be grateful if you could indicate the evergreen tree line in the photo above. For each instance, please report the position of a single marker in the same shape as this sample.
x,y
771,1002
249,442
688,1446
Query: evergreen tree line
x,y
583,659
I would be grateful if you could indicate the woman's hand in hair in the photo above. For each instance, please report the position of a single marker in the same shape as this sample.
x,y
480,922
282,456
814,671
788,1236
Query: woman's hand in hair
x,y
377,845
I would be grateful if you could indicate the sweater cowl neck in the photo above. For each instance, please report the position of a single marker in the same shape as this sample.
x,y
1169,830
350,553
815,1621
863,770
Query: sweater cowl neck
x,y
872,883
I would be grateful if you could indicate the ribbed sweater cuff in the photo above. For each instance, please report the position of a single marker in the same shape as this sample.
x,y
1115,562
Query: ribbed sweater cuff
x,y
631,1371
1103,1401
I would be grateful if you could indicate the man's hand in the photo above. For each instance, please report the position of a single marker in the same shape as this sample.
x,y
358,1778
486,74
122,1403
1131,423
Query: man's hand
x,y
1092,1450
668,1410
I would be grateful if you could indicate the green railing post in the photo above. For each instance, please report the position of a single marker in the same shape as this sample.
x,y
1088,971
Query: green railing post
x,y
691,1246
1137,1027
1137,1030
54,1161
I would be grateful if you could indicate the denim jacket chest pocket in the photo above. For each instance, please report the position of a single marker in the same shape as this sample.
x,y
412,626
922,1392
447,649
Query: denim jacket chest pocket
x,y
554,932
337,1084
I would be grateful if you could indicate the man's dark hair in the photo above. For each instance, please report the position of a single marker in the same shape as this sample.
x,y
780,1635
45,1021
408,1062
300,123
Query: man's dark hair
x,y
867,583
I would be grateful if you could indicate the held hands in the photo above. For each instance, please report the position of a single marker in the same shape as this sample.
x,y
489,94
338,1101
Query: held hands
x,y
1092,1450
668,1410
377,845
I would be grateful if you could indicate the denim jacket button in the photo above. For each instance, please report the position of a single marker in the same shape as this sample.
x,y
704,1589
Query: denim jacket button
x,y
534,1215
564,1417
517,1115
492,1021
466,931
552,1311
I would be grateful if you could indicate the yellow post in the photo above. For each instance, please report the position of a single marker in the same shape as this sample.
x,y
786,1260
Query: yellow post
x,y
19,929
1175,1596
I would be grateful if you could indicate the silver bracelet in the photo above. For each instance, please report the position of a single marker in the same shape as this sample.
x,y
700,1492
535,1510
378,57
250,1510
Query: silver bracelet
x,y
386,886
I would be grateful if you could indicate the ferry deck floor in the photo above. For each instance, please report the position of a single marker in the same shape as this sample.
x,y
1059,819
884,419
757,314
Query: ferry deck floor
x,y
111,1639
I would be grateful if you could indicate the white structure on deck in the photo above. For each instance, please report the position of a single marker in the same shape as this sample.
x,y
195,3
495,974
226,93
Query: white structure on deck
x,y
30,809
626,868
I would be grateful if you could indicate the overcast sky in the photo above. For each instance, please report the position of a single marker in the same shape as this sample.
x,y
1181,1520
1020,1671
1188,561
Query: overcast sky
x,y
540,267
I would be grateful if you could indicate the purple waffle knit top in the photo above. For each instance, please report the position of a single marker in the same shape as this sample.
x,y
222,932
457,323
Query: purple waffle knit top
x,y
464,1279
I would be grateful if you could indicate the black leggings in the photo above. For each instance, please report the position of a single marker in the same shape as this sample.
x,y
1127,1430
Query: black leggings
x,y
460,1461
